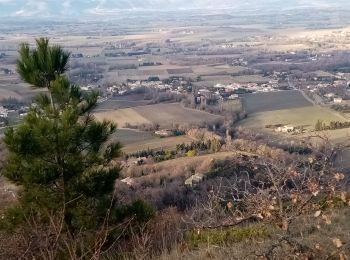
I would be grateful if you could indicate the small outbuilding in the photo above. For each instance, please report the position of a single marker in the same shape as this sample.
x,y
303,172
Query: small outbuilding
x,y
194,180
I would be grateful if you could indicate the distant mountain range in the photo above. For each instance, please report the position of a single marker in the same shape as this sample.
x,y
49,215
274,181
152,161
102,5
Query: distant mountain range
x,y
90,8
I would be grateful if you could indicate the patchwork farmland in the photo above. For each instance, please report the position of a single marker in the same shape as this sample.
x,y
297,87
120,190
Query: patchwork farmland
x,y
166,115
261,102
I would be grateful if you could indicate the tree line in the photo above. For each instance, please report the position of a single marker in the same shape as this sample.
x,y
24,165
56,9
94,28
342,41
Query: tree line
x,y
333,125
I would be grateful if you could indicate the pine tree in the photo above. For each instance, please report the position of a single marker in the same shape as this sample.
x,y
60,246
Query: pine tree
x,y
40,66
63,160
59,155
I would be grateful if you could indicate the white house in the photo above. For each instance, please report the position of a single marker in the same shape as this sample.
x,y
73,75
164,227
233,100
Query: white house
x,y
337,100
163,133
3,112
329,95
285,129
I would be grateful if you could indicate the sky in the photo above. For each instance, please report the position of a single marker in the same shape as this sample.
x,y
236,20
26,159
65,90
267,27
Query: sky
x,y
95,8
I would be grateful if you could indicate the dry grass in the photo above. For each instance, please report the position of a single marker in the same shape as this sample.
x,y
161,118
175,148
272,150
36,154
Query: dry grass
x,y
134,140
8,193
156,143
318,241
178,168
215,70
166,115
123,116
250,79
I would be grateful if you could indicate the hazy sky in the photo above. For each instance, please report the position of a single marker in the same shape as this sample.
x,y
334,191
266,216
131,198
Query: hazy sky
x,y
58,8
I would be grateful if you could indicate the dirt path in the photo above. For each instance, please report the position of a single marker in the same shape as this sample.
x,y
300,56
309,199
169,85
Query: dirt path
x,y
307,97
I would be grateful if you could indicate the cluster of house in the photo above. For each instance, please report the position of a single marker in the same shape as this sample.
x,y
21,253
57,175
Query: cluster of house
x,y
90,87
164,133
272,85
4,114
175,85
231,91
179,85
285,129
334,98
125,44
289,129
117,90
206,96
331,95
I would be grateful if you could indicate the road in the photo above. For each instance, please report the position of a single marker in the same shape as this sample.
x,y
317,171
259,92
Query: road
x,y
316,103
292,86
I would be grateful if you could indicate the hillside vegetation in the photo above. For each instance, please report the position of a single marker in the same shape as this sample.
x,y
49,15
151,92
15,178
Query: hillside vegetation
x,y
222,195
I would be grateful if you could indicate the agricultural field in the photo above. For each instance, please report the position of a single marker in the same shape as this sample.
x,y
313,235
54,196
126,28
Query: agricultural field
x,y
143,74
210,81
220,69
250,79
166,115
303,116
216,73
178,71
156,143
122,117
135,140
123,102
130,136
232,106
261,102
122,76
19,91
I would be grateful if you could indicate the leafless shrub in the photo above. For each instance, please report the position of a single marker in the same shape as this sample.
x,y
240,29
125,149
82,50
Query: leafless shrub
x,y
149,240
275,192
143,127
49,238
202,134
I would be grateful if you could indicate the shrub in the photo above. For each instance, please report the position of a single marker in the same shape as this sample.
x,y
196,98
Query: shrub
x,y
191,153
226,236
138,210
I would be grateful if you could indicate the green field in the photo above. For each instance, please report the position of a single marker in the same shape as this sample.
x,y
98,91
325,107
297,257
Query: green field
x,y
271,101
304,116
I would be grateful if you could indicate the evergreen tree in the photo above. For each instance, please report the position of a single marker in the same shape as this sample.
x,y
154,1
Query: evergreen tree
x,y
319,125
59,155
40,66
63,160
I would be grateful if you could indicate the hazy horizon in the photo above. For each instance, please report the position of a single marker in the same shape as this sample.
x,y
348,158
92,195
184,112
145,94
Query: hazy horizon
x,y
37,9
